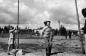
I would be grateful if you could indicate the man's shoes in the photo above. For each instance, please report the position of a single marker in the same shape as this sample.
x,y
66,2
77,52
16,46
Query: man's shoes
x,y
8,53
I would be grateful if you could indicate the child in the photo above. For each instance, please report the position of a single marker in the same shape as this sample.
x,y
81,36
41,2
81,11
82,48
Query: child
x,y
11,41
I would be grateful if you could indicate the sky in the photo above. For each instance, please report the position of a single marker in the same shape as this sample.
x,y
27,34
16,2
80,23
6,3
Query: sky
x,y
35,12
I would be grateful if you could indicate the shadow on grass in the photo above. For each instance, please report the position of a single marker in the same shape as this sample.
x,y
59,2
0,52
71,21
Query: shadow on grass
x,y
61,49
26,47
36,47
3,46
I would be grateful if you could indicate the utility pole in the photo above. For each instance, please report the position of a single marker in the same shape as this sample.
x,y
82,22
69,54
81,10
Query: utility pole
x,y
59,23
77,14
17,47
59,26
18,27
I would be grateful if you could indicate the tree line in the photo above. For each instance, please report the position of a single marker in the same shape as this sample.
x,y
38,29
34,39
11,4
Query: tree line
x,y
62,31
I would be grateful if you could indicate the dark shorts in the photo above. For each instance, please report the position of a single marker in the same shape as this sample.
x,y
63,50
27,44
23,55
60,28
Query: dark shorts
x,y
47,41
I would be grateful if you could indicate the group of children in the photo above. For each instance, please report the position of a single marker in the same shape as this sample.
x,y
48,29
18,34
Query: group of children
x,y
46,33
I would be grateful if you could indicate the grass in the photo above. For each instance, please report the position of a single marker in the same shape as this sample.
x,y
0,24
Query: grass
x,y
33,47
36,47
21,36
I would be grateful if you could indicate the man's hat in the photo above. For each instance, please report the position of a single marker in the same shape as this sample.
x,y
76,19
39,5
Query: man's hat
x,y
84,12
11,31
47,21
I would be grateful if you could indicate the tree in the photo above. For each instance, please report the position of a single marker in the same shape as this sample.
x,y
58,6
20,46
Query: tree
x,y
55,31
1,30
6,29
62,31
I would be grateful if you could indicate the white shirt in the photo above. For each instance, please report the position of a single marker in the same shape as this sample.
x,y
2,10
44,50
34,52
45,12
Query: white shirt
x,y
46,31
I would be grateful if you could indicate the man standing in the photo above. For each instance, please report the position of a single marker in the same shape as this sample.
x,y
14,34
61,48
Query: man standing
x,y
47,34
84,14
69,33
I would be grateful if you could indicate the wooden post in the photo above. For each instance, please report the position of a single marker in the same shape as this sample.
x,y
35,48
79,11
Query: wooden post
x,y
85,43
18,26
77,14
85,35
59,26
59,23
17,30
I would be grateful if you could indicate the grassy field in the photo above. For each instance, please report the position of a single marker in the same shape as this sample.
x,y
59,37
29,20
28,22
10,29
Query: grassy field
x,y
21,36
32,44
